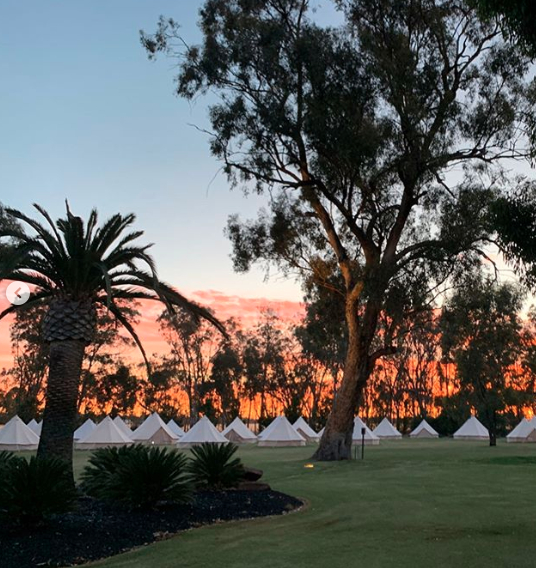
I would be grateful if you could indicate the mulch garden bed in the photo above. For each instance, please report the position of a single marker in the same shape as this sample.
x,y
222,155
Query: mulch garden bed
x,y
96,530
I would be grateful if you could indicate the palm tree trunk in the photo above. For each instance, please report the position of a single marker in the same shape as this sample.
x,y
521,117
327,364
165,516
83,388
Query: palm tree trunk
x,y
61,400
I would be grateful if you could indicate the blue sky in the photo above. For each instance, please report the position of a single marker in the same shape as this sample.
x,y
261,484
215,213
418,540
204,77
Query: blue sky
x,y
86,116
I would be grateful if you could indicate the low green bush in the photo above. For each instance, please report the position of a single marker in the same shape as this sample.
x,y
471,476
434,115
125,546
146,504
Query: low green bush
x,y
6,458
137,476
102,465
33,490
214,467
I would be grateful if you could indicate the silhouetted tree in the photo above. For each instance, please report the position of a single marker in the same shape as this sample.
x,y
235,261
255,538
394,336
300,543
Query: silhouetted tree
x,y
481,332
193,345
517,18
352,130
76,267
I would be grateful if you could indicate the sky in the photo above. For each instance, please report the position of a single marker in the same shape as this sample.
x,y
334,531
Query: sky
x,y
85,116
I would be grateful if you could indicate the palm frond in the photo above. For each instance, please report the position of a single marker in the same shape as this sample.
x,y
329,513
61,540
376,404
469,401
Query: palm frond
x,y
120,317
52,225
34,300
86,261
46,236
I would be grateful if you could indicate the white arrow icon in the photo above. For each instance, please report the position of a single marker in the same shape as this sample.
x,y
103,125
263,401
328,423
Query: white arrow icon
x,y
17,293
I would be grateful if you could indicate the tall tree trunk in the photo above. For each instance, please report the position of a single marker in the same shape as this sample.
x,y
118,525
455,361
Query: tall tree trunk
x,y
493,429
59,419
336,442
194,403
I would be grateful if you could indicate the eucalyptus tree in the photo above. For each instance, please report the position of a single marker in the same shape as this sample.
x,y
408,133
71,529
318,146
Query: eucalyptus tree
x,y
75,267
225,385
27,374
481,332
514,219
353,130
517,18
192,348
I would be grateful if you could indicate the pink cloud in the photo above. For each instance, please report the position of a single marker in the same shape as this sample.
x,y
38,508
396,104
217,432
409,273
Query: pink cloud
x,y
246,310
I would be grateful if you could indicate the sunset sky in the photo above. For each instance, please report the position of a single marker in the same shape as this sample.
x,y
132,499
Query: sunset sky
x,y
86,116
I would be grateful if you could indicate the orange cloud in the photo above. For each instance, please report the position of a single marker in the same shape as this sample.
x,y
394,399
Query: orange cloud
x,y
225,306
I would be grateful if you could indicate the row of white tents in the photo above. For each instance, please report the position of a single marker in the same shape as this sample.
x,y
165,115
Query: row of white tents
x,y
16,435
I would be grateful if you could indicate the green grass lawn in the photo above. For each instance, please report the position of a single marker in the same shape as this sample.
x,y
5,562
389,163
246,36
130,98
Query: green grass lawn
x,y
409,504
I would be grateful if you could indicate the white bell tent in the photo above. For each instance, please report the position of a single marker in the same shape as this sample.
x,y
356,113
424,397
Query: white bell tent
x,y
281,433
82,431
15,436
525,431
370,439
305,430
387,431
472,429
239,433
202,432
35,426
105,434
154,430
175,428
424,430
120,423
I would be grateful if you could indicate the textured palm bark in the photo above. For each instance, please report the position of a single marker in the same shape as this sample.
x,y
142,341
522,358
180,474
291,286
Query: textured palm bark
x,y
61,400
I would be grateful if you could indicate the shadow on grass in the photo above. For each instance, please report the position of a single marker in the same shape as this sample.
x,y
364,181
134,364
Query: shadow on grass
x,y
510,460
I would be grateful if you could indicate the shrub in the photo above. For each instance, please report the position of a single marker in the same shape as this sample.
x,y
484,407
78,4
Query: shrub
x,y
6,458
213,466
137,476
33,490
102,465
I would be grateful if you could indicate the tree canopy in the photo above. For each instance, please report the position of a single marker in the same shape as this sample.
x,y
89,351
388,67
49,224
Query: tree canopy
x,y
354,132
518,18
481,333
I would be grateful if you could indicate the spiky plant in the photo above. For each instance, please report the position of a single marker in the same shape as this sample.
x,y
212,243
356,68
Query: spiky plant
x,y
214,466
138,476
33,490
101,465
6,458
74,267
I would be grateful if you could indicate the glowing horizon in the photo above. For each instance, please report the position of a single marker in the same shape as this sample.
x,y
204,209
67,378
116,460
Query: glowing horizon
x,y
246,310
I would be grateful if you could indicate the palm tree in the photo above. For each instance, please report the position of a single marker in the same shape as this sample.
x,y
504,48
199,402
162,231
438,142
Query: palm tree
x,y
74,267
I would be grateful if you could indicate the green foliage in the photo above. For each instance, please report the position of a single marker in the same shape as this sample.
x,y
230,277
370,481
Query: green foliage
x,y
33,490
226,379
514,220
192,344
213,466
5,459
517,16
481,334
137,476
267,350
102,464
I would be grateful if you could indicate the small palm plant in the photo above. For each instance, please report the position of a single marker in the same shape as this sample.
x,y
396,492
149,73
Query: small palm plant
x,y
213,466
76,267
6,458
137,476
32,490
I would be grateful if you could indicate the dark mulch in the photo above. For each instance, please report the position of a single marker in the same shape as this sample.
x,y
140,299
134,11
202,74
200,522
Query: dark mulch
x,y
96,530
